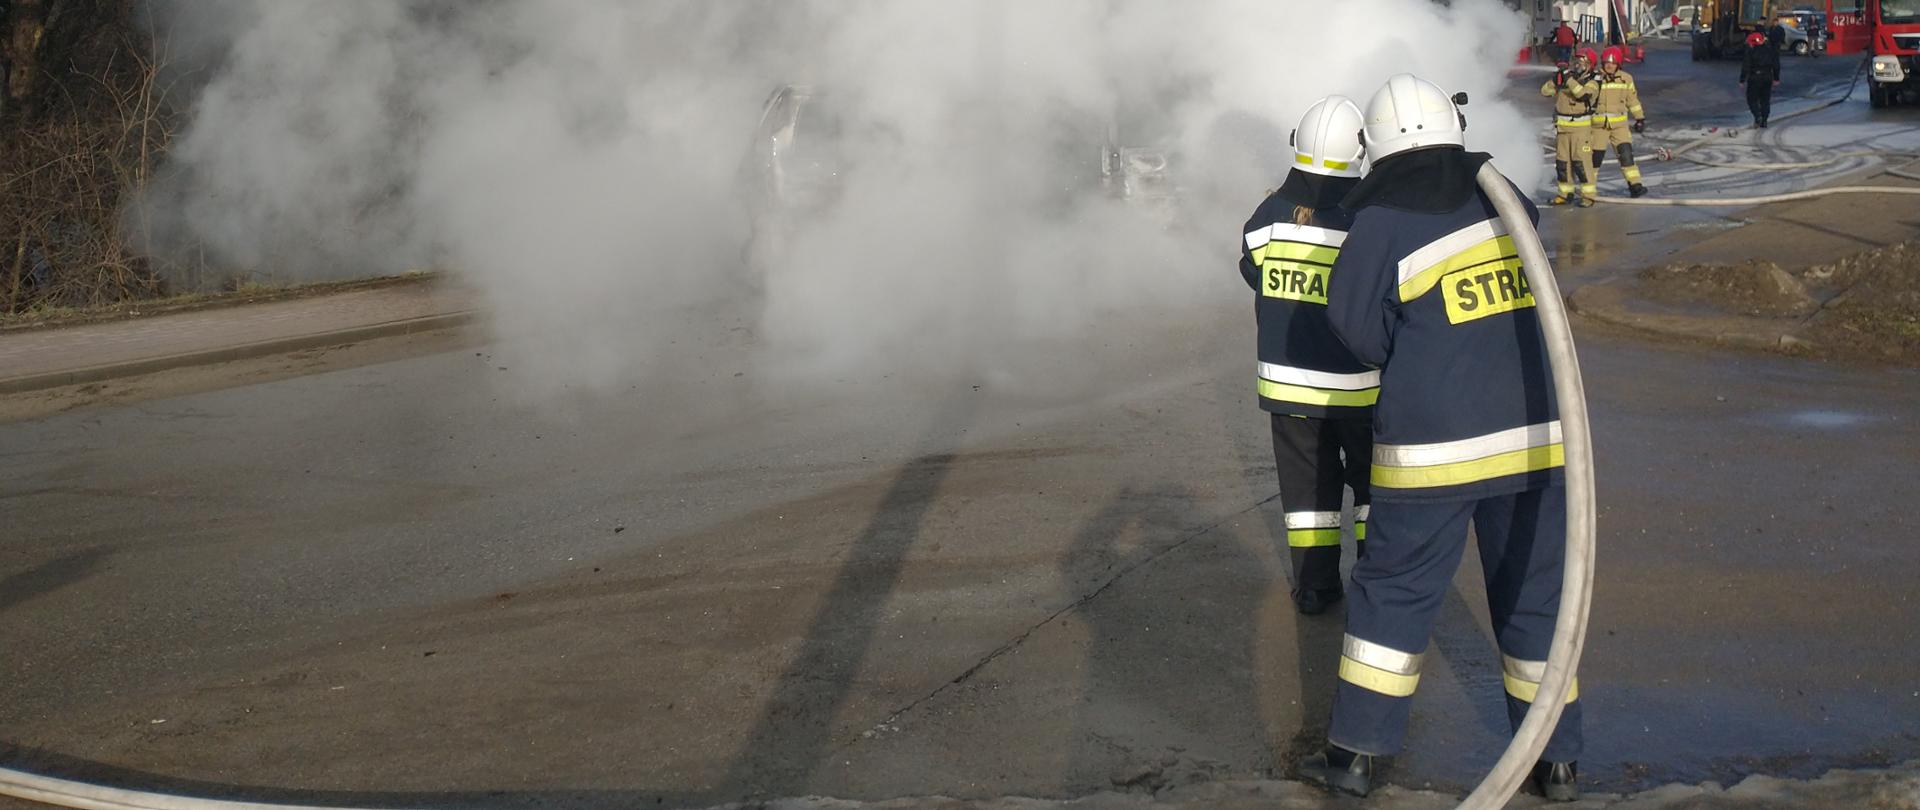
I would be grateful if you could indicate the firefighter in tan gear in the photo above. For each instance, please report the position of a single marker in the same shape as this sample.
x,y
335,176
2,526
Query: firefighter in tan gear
x,y
1615,102
1572,92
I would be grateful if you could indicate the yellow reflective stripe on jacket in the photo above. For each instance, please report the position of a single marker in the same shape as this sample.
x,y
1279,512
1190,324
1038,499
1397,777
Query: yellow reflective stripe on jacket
x,y
1439,250
1530,448
1499,249
1325,397
1296,251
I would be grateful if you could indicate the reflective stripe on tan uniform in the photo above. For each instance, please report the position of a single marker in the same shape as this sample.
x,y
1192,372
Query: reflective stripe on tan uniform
x,y
1572,124
1616,103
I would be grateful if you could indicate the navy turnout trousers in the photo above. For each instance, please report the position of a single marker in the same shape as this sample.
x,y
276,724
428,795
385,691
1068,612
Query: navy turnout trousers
x,y
1412,552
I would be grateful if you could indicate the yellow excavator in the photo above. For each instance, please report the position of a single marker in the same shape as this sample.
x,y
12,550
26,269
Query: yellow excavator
x,y
1722,26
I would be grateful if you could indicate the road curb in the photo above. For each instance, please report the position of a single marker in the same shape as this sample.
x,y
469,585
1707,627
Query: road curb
x,y
244,351
1610,302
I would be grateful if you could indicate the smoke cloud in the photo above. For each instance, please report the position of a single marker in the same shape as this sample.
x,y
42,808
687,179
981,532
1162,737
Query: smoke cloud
x,y
968,180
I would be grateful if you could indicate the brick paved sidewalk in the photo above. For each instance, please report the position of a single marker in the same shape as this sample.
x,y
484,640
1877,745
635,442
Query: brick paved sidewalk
x,y
42,358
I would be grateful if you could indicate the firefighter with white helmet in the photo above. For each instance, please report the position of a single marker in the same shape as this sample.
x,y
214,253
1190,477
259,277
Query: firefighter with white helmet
x,y
1616,116
1573,96
1319,399
1429,289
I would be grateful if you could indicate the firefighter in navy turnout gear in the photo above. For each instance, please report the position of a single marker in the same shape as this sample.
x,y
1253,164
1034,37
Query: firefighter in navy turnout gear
x,y
1573,97
1760,72
1318,398
1430,289
1616,116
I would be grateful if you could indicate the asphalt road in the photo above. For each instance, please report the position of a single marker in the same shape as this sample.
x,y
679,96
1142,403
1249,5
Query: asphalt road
x,y
385,579
1684,100
396,575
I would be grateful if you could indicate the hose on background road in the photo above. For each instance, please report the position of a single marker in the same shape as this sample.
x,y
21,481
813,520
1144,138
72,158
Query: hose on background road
x,y
1712,136
1576,589
1710,202
1808,164
1713,202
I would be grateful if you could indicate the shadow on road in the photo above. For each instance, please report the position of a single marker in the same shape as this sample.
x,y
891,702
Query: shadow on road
x,y
794,733
1171,689
42,580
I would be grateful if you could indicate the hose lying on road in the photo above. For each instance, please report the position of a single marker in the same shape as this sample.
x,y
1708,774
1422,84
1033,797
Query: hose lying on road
x,y
1711,136
1576,589
1770,167
1713,202
61,792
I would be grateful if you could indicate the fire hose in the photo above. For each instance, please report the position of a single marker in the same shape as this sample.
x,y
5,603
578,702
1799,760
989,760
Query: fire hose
x,y
1679,152
1563,658
1576,588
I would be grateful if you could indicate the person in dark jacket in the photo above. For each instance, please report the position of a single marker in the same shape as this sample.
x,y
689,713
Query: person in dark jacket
x,y
1760,72
1318,398
1430,289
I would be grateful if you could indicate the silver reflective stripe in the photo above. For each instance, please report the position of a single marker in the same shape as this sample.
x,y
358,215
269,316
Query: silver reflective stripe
x,y
1289,232
1361,512
1320,379
1443,248
1529,671
1479,447
1313,520
1379,657
1259,237
1573,119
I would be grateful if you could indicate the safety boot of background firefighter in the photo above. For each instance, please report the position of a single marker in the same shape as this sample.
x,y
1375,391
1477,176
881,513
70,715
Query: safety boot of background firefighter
x,y
1340,769
1558,781
1315,601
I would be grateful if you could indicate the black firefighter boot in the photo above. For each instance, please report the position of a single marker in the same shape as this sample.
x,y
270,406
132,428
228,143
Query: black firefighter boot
x,y
1564,173
1635,190
1339,769
1556,780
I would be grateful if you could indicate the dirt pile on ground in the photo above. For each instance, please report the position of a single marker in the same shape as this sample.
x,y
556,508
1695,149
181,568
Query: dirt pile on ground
x,y
1864,307
1752,287
1876,310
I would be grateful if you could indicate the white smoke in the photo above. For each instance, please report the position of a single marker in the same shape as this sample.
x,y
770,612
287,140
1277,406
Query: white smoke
x,y
587,164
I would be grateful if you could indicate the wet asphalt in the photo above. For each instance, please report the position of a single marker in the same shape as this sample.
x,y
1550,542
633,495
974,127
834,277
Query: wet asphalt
x,y
410,580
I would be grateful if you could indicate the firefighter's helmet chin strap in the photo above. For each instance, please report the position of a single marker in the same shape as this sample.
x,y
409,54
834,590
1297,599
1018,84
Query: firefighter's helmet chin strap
x,y
1570,630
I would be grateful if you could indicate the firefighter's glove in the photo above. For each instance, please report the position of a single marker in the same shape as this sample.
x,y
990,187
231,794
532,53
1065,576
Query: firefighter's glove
x,y
1640,126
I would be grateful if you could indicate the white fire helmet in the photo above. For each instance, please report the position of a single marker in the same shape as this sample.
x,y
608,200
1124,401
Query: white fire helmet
x,y
1411,113
1328,139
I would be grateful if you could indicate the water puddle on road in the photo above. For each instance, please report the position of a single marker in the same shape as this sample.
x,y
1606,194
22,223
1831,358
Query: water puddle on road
x,y
1821,419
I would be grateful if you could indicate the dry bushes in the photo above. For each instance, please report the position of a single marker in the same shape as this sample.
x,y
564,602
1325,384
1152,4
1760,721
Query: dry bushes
x,y
64,173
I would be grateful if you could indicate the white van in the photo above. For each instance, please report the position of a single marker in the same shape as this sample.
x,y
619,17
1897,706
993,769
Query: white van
x,y
1665,27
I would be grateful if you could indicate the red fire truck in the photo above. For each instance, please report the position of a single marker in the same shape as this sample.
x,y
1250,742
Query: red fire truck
x,y
1893,34
1889,32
